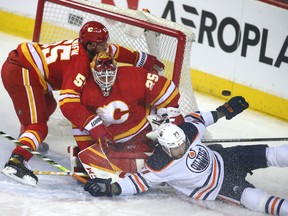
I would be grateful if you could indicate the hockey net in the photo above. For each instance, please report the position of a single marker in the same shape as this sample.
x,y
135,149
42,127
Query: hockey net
x,y
61,19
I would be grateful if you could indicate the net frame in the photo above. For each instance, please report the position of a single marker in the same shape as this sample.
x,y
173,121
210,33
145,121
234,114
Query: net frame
x,y
61,19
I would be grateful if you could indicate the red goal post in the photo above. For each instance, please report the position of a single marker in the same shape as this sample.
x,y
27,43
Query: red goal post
x,y
61,19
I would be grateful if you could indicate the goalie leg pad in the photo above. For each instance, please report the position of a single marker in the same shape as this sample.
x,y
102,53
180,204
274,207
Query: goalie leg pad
x,y
127,161
98,164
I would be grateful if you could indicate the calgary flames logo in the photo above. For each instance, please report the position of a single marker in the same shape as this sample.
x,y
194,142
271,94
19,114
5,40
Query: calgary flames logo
x,y
90,29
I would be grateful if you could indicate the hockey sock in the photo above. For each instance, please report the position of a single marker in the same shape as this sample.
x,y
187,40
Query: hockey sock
x,y
257,200
277,156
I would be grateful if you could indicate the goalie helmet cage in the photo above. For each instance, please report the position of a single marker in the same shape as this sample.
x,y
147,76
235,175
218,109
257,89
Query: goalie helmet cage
x,y
138,30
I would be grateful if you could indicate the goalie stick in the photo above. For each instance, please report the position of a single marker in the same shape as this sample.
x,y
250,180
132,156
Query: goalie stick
x,y
246,140
48,160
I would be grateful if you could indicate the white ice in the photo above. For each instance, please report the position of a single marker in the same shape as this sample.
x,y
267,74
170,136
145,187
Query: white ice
x,y
63,195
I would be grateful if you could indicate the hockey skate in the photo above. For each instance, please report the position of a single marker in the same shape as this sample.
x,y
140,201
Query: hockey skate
x,y
16,168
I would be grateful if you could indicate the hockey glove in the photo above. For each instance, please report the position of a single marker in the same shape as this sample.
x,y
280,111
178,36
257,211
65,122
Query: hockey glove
x,y
149,62
98,187
98,130
233,107
155,120
171,113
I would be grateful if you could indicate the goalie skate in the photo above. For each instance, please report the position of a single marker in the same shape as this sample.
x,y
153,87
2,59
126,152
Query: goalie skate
x,y
15,168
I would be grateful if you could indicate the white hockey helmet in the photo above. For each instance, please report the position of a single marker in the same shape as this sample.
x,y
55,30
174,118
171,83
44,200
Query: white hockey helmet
x,y
104,70
171,137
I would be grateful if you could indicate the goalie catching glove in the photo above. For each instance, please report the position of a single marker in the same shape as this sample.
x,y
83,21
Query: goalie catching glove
x,y
149,62
102,187
233,107
97,129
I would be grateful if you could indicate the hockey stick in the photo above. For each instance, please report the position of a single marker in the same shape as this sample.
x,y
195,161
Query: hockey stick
x,y
48,160
246,140
38,172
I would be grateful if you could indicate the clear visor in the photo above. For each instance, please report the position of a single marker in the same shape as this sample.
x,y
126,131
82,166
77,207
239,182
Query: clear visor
x,y
178,151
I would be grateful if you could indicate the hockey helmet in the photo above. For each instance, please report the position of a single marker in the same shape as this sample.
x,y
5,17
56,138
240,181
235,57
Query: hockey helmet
x,y
93,32
104,71
172,138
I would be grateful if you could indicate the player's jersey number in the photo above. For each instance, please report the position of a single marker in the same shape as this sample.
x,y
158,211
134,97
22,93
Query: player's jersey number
x,y
151,80
57,50
61,50
79,80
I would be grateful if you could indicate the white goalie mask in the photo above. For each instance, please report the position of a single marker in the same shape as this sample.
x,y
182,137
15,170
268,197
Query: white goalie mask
x,y
172,139
104,71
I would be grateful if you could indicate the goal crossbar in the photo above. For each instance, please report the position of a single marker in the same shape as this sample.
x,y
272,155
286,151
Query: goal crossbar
x,y
181,37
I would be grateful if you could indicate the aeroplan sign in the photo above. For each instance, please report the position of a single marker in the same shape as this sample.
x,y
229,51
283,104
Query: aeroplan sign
x,y
215,30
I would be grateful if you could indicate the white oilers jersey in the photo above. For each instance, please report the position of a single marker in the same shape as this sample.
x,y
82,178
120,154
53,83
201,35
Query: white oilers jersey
x,y
198,174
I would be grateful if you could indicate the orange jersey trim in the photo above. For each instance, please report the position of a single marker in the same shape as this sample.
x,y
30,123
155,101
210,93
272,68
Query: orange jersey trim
x,y
141,186
212,182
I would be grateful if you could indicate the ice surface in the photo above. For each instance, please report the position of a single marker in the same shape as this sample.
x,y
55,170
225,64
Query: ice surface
x,y
63,195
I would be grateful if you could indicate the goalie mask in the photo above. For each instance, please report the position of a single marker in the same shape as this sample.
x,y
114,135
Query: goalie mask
x,y
172,139
104,71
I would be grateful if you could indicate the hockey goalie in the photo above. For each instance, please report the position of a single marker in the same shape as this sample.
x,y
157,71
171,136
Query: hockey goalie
x,y
114,139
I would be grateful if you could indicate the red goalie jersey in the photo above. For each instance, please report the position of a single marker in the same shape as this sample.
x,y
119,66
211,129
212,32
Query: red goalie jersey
x,y
135,94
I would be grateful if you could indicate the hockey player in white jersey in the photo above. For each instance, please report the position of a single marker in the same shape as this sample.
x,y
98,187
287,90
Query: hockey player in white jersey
x,y
201,172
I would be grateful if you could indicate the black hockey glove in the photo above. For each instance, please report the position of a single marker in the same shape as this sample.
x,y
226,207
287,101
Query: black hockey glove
x,y
233,107
99,187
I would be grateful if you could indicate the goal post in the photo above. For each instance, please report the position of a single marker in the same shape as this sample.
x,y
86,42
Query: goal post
x,y
138,30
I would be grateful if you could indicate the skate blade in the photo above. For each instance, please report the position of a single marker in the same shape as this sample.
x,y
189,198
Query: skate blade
x,y
27,180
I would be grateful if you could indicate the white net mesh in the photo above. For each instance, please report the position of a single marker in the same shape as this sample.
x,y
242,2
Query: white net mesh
x,y
63,22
